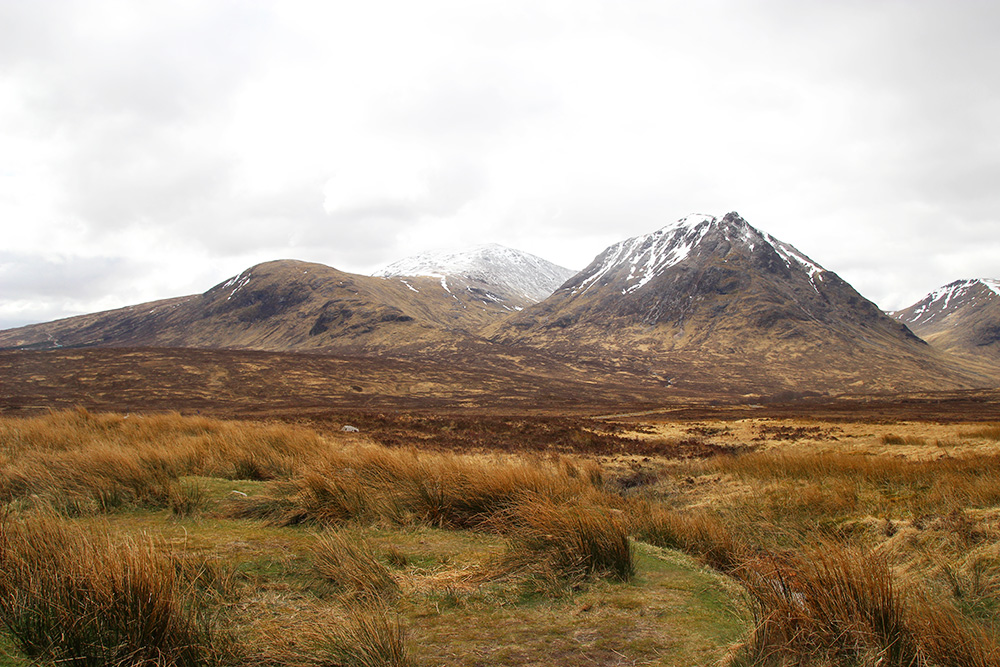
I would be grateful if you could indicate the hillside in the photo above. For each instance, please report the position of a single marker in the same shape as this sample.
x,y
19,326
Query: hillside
x,y
496,274
716,302
279,306
704,307
962,318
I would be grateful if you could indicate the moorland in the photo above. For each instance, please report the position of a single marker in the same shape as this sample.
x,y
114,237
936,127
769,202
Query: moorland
x,y
235,530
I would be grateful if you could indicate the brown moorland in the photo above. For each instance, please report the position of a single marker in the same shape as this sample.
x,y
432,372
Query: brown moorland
x,y
853,532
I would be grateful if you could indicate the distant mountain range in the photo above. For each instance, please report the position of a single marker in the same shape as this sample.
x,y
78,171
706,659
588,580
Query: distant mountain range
x,y
705,305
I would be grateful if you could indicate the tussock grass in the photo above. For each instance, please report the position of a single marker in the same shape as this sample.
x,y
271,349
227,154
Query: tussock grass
x,y
851,483
893,439
577,539
70,596
987,432
556,511
831,605
372,484
698,533
352,565
370,635
906,572
77,462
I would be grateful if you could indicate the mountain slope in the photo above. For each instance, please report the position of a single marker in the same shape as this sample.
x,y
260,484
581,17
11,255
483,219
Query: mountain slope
x,y
714,300
277,306
493,274
962,317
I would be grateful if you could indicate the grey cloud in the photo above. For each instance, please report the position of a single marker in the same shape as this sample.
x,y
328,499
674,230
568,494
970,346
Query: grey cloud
x,y
138,109
31,277
34,289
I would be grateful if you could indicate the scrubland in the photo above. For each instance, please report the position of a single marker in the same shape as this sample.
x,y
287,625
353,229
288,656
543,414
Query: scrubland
x,y
172,540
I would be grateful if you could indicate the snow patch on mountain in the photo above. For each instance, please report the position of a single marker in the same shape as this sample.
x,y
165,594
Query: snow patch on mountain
x,y
505,269
646,257
239,281
945,300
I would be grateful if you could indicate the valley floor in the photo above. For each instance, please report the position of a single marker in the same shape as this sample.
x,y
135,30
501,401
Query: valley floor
x,y
738,535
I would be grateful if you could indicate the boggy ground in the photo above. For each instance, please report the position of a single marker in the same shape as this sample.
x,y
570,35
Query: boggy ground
x,y
737,535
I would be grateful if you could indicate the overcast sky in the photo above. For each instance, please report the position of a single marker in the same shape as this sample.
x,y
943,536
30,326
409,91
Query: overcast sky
x,y
150,150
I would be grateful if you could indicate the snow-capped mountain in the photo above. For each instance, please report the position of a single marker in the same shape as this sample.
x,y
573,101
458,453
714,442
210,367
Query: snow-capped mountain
x,y
639,260
705,306
949,299
961,317
716,293
668,276
492,271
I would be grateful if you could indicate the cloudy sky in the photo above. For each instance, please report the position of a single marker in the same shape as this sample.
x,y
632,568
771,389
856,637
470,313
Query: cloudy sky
x,y
150,150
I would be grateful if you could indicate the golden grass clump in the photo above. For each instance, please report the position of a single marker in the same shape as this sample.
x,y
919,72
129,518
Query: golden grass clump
x,y
846,482
833,605
77,462
698,533
576,539
369,635
67,595
371,484
987,432
912,440
352,565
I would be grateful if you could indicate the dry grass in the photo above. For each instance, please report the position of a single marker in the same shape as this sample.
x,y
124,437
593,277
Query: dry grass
x,y
834,484
372,484
79,463
698,533
577,540
988,432
67,595
877,557
368,635
893,439
352,565
826,604
848,558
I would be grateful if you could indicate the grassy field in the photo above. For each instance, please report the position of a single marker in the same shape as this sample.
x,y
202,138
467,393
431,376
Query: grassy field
x,y
171,540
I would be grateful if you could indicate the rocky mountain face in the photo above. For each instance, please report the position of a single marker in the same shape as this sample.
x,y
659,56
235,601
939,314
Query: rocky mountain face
x,y
492,274
962,317
715,300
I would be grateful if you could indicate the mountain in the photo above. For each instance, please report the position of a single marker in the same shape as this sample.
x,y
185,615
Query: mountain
x,y
278,306
962,317
432,299
493,274
717,302
704,307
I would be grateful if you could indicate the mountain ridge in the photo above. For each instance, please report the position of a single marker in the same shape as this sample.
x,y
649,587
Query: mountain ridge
x,y
705,305
512,278
713,291
962,317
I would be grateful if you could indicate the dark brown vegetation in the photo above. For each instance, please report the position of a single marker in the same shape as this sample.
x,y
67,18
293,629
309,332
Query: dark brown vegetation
x,y
453,385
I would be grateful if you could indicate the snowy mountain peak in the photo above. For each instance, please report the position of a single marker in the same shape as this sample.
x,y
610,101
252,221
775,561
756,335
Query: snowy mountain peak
x,y
645,257
492,265
945,300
